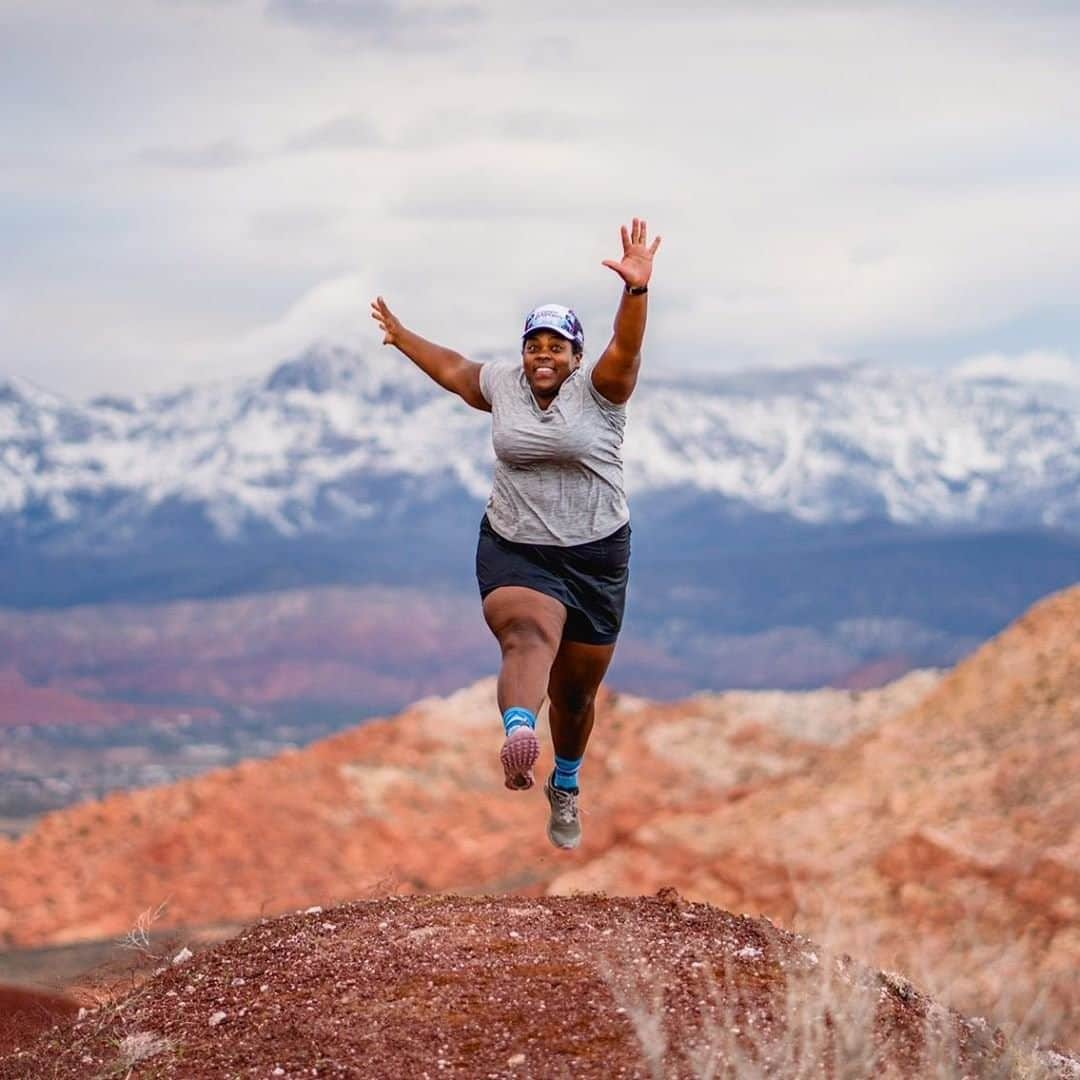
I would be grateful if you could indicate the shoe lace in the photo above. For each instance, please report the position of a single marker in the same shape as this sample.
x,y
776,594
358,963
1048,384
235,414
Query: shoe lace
x,y
566,807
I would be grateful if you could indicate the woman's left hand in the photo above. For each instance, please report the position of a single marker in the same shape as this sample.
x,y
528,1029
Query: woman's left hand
x,y
635,266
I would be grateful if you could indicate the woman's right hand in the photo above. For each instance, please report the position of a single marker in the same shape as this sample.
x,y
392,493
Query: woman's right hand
x,y
388,322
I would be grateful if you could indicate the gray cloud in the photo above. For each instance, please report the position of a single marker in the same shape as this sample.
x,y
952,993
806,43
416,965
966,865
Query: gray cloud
x,y
542,125
199,3
901,179
377,22
487,196
222,154
306,223
366,17
722,8
453,128
348,132
341,133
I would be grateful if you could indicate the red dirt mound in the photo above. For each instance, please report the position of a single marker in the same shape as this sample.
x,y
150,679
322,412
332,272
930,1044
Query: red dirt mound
x,y
25,1012
584,986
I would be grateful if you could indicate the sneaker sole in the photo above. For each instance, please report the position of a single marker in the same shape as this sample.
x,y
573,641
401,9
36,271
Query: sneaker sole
x,y
568,845
518,756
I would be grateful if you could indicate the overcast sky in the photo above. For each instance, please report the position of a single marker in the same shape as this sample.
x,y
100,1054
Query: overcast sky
x,y
190,188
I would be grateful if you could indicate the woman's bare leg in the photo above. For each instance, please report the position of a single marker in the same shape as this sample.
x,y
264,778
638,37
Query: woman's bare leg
x,y
575,678
528,625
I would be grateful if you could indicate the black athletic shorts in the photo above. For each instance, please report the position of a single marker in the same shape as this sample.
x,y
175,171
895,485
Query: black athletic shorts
x,y
589,580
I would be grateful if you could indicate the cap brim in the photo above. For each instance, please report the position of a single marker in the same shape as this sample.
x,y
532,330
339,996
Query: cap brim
x,y
543,326
537,329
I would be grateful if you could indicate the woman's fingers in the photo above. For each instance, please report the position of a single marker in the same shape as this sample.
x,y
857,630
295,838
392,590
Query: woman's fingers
x,y
380,311
636,248
385,318
637,233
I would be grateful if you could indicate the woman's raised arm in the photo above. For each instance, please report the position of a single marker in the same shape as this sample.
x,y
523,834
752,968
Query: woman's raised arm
x,y
449,369
616,372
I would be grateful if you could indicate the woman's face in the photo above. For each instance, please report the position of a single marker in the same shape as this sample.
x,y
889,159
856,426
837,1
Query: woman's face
x,y
548,359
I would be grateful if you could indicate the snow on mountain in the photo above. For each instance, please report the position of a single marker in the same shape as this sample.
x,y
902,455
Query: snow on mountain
x,y
846,444
327,435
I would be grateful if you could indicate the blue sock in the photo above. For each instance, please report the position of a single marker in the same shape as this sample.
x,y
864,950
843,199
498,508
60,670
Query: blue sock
x,y
516,716
566,771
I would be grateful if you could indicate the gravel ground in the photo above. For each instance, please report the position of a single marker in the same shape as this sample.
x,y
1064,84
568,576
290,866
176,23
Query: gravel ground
x,y
582,986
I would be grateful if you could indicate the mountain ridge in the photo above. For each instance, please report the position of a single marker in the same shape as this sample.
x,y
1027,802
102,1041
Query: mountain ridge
x,y
292,449
773,512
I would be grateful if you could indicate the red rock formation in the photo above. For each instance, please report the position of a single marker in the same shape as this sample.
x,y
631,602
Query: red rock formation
x,y
22,704
349,645
418,800
945,842
941,838
875,673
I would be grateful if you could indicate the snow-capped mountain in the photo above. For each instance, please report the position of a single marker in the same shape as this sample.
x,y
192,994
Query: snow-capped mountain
x,y
337,437
789,527
830,445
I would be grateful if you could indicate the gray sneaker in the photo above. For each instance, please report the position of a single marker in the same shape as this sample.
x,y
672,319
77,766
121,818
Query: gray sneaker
x,y
564,824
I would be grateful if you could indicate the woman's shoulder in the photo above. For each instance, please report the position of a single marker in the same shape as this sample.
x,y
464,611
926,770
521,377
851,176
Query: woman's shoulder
x,y
589,391
495,374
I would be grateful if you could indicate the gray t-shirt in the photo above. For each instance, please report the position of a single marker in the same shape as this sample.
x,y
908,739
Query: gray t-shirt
x,y
558,471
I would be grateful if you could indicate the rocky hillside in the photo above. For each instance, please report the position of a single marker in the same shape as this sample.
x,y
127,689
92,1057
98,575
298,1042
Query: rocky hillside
x,y
931,825
585,987
416,801
945,842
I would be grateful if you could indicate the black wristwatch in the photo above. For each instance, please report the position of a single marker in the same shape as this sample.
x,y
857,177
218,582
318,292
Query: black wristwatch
x,y
636,290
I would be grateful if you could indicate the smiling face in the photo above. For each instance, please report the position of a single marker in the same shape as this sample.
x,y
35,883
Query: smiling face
x,y
549,360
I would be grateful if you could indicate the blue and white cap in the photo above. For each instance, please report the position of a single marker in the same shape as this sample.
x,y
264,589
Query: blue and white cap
x,y
558,318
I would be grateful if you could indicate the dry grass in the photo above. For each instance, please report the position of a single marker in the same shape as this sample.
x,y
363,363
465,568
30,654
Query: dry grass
x,y
137,939
823,1016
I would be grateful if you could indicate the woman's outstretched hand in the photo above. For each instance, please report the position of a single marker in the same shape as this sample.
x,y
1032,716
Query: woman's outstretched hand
x,y
635,266
388,322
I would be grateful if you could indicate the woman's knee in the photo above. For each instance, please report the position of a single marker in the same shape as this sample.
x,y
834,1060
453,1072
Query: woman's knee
x,y
525,632
523,619
572,700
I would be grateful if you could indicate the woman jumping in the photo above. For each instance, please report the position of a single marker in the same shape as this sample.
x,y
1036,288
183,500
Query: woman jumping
x,y
554,547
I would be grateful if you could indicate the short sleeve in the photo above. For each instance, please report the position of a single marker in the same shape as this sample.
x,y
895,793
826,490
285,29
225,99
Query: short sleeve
x,y
489,373
609,407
